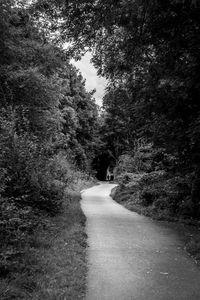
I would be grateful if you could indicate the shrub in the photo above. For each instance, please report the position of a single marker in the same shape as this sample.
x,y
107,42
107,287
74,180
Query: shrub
x,y
165,193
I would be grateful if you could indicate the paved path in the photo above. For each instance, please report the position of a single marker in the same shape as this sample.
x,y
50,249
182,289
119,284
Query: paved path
x,y
132,257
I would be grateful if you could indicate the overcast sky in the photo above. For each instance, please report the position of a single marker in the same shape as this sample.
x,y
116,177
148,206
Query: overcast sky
x,y
92,80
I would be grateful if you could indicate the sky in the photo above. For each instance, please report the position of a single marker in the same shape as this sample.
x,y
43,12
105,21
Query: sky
x,y
90,74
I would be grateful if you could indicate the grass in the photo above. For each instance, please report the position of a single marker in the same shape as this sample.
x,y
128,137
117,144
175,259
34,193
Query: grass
x,y
53,266
193,246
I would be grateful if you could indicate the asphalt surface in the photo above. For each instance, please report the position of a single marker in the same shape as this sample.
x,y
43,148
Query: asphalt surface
x,y
132,257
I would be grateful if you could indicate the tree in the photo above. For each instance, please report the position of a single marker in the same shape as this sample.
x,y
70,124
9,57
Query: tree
x,y
46,117
149,49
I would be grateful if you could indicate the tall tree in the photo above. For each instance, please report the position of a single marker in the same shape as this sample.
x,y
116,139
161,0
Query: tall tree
x,y
150,49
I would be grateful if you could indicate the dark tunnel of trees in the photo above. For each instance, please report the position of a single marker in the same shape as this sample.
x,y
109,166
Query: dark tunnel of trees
x,y
101,163
53,135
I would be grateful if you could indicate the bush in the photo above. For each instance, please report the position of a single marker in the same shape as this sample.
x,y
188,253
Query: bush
x,y
165,193
129,178
16,227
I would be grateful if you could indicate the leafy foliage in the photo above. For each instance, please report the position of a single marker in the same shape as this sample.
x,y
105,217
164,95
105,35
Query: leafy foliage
x,y
149,52
47,124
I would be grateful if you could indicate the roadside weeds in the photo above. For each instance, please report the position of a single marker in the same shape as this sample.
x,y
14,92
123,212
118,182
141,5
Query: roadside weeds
x,y
54,264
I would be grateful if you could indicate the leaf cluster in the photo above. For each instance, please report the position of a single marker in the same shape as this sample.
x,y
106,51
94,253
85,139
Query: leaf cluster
x,y
47,124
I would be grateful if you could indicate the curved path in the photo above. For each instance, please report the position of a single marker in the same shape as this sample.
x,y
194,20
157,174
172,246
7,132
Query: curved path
x,y
132,257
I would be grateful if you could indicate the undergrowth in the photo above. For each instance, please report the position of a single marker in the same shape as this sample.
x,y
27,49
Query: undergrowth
x,y
53,262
